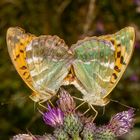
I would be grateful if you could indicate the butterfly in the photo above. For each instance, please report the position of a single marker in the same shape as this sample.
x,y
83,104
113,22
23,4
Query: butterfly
x,y
93,65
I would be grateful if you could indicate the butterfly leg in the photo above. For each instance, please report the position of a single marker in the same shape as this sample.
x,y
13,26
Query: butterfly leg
x,y
80,105
86,111
96,112
77,98
83,102
51,103
40,104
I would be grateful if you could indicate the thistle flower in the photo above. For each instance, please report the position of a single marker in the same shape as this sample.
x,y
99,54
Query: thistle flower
x,y
23,137
88,131
104,133
122,122
66,102
72,125
53,117
60,134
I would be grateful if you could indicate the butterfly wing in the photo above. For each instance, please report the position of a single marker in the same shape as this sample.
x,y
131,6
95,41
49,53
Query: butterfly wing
x,y
123,42
100,62
17,41
48,62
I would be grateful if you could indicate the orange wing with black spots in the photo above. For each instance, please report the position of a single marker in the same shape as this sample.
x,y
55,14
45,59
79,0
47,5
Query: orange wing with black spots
x,y
17,41
42,62
123,42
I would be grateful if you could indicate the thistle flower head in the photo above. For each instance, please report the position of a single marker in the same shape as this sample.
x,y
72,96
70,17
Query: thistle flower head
x,y
60,134
72,124
104,133
88,131
122,122
66,102
53,117
23,137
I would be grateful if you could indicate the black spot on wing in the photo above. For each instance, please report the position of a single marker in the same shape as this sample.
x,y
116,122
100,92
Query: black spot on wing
x,y
119,45
17,56
21,51
112,82
112,41
114,75
23,67
24,73
117,69
122,60
119,54
27,77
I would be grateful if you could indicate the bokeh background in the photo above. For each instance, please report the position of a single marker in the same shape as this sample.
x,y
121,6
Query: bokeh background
x,y
71,20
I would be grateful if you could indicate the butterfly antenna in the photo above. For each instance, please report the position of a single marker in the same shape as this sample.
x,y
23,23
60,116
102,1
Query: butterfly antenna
x,y
120,103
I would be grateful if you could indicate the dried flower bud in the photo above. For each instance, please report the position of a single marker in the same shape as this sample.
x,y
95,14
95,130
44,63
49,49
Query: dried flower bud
x,y
66,102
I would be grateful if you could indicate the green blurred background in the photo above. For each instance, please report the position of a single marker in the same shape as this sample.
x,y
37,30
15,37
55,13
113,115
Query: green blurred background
x,y
71,20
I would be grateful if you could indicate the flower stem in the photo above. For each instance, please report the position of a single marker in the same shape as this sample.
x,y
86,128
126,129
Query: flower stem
x,y
76,137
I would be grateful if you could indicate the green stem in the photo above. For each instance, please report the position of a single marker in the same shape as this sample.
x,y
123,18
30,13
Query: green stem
x,y
76,137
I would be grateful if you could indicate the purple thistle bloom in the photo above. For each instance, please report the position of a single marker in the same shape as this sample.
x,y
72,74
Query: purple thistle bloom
x,y
122,122
53,117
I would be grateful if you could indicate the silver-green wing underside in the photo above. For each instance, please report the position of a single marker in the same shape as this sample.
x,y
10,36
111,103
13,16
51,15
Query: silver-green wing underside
x,y
48,63
99,63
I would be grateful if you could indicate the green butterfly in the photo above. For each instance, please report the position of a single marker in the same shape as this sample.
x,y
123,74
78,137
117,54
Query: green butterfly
x,y
93,65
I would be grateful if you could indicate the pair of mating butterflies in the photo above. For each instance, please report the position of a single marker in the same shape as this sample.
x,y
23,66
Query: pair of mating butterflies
x,y
93,65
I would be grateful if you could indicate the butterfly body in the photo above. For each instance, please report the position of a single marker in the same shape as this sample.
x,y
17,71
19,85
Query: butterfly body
x,y
93,65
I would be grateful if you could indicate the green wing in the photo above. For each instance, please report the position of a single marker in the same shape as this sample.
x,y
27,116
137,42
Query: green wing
x,y
48,62
99,62
123,42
